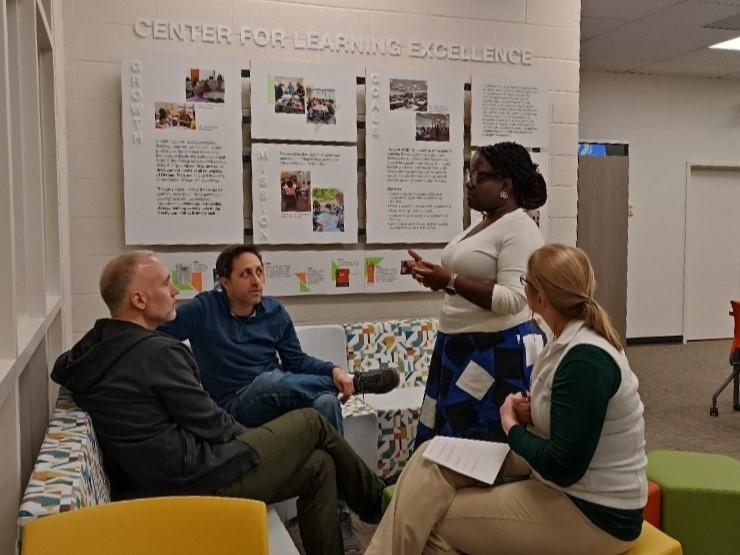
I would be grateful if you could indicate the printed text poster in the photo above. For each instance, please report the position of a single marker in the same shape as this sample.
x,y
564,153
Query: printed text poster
x,y
182,149
414,137
509,109
304,194
303,102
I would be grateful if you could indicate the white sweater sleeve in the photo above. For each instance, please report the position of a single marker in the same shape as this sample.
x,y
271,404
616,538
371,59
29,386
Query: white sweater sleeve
x,y
508,292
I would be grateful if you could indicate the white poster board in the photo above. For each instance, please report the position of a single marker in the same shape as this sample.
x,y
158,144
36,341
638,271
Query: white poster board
x,y
303,102
414,144
509,109
289,274
389,271
304,194
190,272
182,145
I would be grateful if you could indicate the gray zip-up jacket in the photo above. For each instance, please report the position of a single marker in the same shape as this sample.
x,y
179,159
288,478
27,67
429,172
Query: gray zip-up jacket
x,y
160,432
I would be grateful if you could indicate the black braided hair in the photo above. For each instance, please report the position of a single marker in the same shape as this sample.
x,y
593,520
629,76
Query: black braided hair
x,y
513,161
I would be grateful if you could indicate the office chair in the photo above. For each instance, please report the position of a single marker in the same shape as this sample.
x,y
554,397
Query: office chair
x,y
155,526
734,362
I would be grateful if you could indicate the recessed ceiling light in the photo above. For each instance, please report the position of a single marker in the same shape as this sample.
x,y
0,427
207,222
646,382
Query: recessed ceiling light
x,y
732,44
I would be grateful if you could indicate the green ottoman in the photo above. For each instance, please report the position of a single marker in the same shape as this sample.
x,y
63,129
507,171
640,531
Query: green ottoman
x,y
701,500
387,496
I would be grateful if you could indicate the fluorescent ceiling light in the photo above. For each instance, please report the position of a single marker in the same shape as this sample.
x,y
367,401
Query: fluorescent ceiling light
x,y
732,44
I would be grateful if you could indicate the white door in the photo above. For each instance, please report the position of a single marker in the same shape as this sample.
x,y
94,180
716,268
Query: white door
x,y
712,266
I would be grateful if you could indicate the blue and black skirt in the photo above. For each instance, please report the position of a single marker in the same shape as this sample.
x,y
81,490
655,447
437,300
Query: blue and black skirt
x,y
471,375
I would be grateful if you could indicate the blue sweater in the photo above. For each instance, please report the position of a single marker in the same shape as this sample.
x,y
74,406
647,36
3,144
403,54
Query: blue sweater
x,y
231,351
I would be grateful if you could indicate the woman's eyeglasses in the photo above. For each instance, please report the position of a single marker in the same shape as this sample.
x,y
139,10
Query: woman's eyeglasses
x,y
476,176
523,279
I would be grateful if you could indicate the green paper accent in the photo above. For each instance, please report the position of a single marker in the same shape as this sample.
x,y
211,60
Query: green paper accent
x,y
303,288
181,286
270,89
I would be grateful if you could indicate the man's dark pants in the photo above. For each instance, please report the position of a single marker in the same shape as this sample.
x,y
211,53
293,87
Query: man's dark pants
x,y
302,455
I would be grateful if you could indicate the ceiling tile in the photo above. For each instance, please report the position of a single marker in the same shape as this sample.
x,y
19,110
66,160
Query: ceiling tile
x,y
626,10
693,13
728,2
611,64
658,36
632,50
693,70
595,26
660,33
710,56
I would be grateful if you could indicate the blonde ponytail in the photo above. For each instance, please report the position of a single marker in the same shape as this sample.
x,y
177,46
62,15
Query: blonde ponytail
x,y
565,275
598,320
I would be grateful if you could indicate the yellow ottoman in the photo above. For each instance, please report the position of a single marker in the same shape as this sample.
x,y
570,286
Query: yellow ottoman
x,y
654,542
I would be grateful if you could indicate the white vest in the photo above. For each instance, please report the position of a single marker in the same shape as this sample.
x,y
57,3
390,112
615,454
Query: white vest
x,y
616,476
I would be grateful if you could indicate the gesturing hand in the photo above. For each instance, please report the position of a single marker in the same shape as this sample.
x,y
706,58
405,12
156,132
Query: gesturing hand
x,y
431,276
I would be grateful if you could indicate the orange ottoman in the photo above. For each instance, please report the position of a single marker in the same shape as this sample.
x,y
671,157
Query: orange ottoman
x,y
651,513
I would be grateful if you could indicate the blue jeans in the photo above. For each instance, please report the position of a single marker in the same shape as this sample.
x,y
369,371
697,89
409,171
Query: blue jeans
x,y
275,393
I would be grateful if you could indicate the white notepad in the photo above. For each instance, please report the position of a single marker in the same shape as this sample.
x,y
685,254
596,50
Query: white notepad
x,y
481,460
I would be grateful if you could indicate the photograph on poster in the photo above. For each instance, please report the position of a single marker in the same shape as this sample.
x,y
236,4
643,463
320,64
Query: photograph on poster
x,y
408,94
290,95
433,127
321,108
295,191
407,266
168,115
204,85
328,210
341,277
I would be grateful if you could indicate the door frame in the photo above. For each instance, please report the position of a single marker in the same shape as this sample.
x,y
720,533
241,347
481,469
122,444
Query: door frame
x,y
692,165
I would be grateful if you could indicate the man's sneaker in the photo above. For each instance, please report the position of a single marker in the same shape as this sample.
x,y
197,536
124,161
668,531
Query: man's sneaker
x,y
349,538
376,381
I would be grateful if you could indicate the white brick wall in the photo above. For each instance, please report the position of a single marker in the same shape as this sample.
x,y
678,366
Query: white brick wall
x,y
96,32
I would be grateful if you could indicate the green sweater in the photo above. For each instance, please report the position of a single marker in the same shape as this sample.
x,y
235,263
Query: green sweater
x,y
585,381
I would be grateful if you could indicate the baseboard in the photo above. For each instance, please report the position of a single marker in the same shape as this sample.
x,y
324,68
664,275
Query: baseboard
x,y
654,340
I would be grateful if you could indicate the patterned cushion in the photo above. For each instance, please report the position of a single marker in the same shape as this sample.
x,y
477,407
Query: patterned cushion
x,y
403,344
396,439
355,407
68,473
408,346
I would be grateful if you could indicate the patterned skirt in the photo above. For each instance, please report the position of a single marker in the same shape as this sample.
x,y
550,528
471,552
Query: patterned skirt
x,y
469,378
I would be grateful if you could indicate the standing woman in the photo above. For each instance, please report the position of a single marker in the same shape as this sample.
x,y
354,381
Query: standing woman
x,y
581,435
487,342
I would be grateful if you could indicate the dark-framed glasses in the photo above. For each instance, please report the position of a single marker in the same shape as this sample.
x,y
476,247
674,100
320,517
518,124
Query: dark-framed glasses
x,y
523,279
477,176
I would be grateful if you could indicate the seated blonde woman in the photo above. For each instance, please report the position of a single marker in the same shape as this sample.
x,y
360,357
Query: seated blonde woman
x,y
578,441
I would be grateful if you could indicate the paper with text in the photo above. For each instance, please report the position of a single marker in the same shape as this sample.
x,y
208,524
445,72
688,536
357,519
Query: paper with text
x,y
481,460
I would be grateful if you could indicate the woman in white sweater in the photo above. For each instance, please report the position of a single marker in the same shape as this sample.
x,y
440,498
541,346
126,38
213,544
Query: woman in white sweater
x,y
487,341
581,436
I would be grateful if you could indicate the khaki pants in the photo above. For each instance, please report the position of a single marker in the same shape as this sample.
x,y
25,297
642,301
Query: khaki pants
x,y
435,511
302,455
